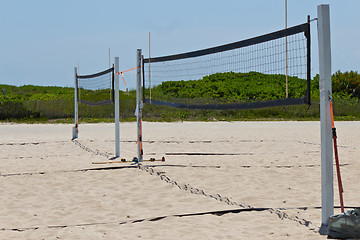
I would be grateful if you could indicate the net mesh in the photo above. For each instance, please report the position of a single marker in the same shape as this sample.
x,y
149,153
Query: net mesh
x,y
96,89
251,73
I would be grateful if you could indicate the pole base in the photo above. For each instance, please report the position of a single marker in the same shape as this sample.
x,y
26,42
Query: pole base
x,y
75,133
324,229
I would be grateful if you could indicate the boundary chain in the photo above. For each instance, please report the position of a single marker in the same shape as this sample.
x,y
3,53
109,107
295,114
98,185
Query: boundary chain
x,y
187,187
90,150
218,197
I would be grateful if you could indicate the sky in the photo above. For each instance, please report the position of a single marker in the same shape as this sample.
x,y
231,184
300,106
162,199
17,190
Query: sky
x,y
43,40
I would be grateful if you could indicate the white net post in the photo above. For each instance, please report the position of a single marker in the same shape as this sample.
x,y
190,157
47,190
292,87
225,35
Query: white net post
x,y
76,115
327,188
117,109
139,106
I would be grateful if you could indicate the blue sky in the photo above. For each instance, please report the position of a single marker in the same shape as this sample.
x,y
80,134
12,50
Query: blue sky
x,y
43,40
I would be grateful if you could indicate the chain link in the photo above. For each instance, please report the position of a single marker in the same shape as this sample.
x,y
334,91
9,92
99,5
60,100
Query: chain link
x,y
187,187
97,152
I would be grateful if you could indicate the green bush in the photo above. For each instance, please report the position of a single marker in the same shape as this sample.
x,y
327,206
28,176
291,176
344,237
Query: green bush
x,y
346,84
230,87
15,110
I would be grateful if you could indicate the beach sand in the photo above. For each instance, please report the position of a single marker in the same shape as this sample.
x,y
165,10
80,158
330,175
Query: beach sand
x,y
213,173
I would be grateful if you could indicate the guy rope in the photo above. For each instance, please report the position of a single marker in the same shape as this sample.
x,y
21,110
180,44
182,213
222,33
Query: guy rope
x,y
341,190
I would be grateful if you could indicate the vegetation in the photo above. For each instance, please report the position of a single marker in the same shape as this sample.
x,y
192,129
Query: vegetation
x,y
56,104
232,87
30,92
346,84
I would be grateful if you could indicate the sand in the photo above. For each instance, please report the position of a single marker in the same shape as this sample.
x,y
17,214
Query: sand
x,y
213,173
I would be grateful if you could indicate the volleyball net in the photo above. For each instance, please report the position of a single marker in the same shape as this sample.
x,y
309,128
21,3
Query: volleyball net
x,y
96,89
264,71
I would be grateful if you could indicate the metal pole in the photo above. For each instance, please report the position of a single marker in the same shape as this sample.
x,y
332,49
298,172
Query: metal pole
x,y
143,77
327,188
286,53
139,107
78,71
308,60
76,115
149,70
110,75
117,110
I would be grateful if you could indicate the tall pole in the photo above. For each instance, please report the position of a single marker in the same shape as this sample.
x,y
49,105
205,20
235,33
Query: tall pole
x,y
110,75
327,188
286,53
139,106
149,70
117,110
77,83
76,114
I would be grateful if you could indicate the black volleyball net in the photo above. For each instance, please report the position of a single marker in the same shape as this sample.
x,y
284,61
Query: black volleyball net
x,y
96,89
240,75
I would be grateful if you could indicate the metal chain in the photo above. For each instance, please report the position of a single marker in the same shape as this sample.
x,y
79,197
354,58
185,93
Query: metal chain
x,y
187,187
97,152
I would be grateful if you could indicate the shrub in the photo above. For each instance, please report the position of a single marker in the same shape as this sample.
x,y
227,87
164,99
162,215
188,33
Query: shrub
x,y
346,84
15,110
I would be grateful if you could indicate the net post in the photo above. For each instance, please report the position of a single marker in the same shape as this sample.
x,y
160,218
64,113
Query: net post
x,y
327,188
117,109
149,71
308,63
76,114
143,78
113,84
139,105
